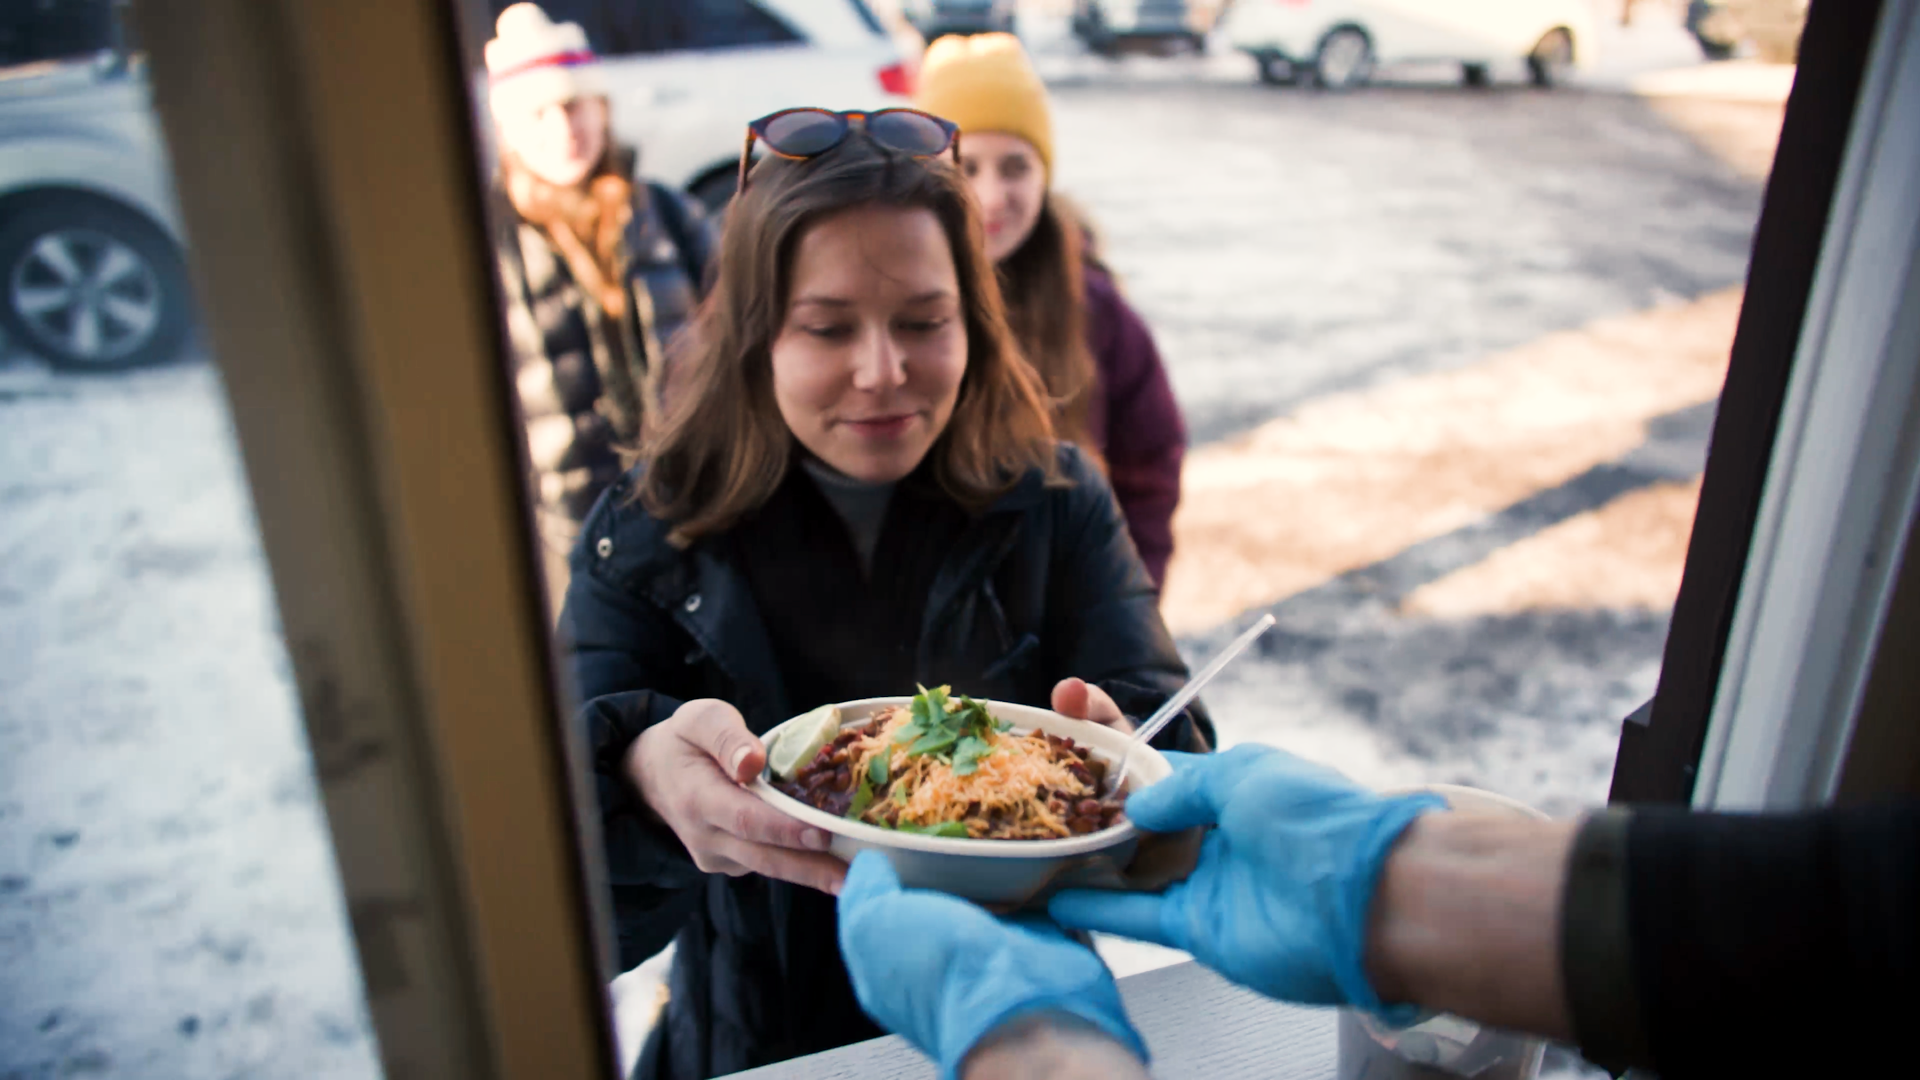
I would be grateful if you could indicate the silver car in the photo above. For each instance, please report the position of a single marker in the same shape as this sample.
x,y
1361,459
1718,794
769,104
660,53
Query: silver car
x,y
935,18
1108,26
91,268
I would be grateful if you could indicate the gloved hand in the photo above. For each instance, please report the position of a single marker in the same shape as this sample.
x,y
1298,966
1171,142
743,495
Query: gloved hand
x,y
944,973
1280,897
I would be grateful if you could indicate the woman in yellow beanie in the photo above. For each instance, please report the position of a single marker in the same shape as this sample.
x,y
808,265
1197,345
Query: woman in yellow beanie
x,y
1096,355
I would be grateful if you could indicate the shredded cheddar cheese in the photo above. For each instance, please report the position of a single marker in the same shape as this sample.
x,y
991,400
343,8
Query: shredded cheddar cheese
x,y
1007,793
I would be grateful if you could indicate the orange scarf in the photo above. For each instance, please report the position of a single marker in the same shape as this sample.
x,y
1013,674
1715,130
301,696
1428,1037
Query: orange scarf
x,y
594,212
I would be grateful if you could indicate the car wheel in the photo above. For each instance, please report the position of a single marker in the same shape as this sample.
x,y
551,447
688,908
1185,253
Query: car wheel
x,y
92,286
1475,75
1344,59
1715,28
716,191
1551,59
1274,70
1715,50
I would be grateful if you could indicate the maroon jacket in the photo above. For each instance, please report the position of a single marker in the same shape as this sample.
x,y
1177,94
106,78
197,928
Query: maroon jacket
x,y
1134,421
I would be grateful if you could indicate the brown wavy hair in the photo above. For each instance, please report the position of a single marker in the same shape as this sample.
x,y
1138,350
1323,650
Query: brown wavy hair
x,y
720,448
1044,282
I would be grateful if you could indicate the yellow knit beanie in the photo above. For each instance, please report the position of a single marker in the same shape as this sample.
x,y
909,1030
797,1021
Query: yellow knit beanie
x,y
985,82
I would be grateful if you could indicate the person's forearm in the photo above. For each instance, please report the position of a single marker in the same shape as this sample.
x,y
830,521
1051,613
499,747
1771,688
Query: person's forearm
x,y
1465,920
1051,1046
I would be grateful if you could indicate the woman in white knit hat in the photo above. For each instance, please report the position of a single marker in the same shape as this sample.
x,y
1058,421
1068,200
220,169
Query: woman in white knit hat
x,y
600,270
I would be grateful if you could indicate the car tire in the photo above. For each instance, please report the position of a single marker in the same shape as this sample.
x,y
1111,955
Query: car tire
x,y
1344,59
1715,50
1273,70
716,191
1476,75
1551,60
92,286
1715,28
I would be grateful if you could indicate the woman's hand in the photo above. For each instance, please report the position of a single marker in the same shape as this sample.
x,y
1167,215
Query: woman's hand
x,y
689,770
1084,701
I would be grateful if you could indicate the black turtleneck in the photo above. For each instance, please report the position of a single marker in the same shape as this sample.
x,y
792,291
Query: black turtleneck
x,y
839,632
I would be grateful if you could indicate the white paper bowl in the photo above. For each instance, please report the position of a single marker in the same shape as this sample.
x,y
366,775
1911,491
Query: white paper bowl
x,y
987,871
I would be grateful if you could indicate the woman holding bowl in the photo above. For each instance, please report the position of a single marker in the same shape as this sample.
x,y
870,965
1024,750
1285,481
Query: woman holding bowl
x,y
855,489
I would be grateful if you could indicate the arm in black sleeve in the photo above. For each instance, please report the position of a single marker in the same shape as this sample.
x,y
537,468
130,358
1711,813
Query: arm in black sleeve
x,y
1754,945
649,871
622,654
1107,614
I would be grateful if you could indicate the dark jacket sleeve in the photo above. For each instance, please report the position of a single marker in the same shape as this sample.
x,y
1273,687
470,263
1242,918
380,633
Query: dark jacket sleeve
x,y
1139,424
617,644
1756,945
1105,614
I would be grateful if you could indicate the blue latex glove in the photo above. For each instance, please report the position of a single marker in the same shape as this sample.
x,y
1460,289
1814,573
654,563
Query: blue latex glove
x,y
944,973
1279,900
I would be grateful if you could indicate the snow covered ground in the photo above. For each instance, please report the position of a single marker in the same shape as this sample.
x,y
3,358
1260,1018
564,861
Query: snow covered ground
x,y
167,901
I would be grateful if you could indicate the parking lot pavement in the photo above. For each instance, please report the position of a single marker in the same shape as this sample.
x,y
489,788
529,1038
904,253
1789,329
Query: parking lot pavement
x,y
1286,244
168,905
1330,276
1368,476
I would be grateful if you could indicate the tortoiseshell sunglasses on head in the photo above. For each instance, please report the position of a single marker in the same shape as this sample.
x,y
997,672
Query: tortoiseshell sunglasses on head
x,y
799,134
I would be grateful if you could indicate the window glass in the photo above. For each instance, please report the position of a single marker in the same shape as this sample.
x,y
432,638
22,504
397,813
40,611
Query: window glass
x,y
1444,345
1445,355
169,904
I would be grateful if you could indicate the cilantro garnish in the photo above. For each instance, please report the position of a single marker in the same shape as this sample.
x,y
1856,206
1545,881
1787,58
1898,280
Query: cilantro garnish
x,y
954,734
967,754
862,797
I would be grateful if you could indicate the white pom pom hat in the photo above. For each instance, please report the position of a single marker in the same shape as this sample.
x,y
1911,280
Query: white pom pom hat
x,y
533,62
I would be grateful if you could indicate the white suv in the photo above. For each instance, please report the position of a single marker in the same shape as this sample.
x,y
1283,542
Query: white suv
x,y
687,75
1337,43
92,272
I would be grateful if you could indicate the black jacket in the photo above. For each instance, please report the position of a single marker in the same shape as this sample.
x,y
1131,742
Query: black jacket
x,y
1042,585
1744,945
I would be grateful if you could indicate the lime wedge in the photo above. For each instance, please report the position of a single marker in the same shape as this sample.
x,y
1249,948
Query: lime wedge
x,y
802,740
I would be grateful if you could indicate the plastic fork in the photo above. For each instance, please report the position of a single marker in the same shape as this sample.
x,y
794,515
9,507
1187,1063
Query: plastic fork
x,y
1164,714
